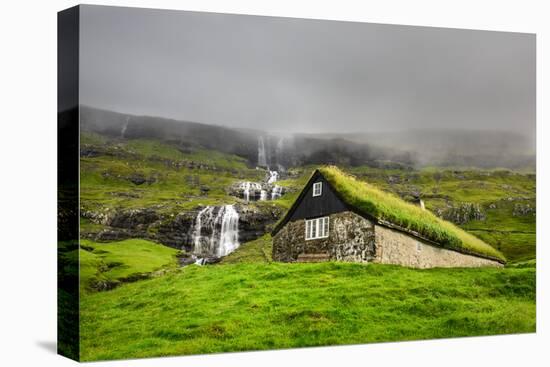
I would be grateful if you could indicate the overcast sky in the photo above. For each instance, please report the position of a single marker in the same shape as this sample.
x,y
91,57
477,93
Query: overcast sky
x,y
299,75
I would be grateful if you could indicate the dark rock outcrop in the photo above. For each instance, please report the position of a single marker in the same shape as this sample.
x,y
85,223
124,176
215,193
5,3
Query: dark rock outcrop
x,y
133,218
521,210
177,231
173,230
462,213
255,221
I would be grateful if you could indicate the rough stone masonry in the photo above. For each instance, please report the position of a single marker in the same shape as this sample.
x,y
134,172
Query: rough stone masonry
x,y
356,239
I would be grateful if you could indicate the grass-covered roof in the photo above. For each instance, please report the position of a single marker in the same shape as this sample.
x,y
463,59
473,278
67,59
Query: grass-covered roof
x,y
385,207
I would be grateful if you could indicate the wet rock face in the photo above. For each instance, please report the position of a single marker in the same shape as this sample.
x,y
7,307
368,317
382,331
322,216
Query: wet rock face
x,y
133,218
255,221
238,189
462,213
253,190
145,223
108,235
174,230
351,238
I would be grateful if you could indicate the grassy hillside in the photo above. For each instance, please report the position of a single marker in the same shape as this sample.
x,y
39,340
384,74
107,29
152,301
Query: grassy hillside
x,y
141,173
239,307
177,178
257,251
247,302
106,265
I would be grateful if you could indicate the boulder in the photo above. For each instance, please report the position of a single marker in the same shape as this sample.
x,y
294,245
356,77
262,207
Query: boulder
x,y
462,213
521,210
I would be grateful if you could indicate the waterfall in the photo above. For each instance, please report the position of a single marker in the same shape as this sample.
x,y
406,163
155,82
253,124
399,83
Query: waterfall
x,y
276,192
263,195
124,127
203,218
216,232
273,177
246,190
248,186
229,236
262,158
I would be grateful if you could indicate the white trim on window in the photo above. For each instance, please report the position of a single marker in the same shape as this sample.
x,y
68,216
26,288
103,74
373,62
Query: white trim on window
x,y
317,188
317,228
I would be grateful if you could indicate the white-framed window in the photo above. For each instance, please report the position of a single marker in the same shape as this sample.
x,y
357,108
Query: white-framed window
x,y
317,228
317,188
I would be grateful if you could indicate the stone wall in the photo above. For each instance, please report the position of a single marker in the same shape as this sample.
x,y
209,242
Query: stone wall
x,y
351,238
394,247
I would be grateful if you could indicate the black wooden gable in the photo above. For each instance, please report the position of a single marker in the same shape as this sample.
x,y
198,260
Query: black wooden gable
x,y
308,206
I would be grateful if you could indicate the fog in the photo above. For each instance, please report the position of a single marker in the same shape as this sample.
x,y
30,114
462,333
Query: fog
x,y
305,76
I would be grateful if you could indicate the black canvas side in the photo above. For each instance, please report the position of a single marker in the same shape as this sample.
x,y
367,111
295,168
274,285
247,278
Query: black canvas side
x,y
68,336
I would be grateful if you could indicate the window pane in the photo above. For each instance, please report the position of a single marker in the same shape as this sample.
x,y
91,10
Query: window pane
x,y
314,230
317,188
325,227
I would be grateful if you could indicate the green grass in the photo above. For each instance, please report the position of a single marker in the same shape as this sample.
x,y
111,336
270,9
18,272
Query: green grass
x,y
385,206
172,185
247,302
156,149
105,185
257,251
105,265
239,307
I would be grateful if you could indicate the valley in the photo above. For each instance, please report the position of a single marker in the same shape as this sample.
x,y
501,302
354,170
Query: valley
x,y
175,236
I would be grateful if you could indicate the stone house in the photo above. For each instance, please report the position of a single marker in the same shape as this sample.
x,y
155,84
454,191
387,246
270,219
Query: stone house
x,y
328,222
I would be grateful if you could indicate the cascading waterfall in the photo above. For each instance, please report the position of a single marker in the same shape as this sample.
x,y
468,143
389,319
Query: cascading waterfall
x,y
273,177
276,192
216,232
262,157
264,160
229,236
271,152
248,186
124,127
204,218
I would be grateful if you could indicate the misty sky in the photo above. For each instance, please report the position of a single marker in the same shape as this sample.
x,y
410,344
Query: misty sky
x,y
296,75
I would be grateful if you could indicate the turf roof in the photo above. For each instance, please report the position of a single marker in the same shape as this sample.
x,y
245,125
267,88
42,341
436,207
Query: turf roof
x,y
384,207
